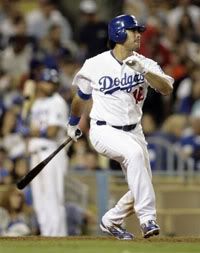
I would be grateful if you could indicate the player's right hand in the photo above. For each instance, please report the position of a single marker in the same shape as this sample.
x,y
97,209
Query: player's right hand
x,y
74,132
135,63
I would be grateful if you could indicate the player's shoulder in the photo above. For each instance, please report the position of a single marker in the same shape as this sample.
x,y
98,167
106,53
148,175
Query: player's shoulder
x,y
58,98
56,101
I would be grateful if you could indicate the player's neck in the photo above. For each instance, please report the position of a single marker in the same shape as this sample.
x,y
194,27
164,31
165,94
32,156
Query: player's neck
x,y
120,53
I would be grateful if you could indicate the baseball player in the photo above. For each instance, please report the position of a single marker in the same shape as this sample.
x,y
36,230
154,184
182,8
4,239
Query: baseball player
x,y
117,81
47,123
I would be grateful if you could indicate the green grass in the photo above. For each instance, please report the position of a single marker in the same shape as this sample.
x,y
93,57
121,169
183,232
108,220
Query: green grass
x,y
98,245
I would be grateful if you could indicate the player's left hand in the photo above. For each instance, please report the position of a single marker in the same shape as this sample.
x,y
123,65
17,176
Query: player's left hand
x,y
134,63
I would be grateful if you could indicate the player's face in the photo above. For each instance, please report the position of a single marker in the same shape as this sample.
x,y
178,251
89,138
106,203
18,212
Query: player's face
x,y
47,88
133,40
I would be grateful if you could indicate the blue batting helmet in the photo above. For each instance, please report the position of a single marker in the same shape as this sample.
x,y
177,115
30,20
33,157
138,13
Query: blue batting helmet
x,y
118,26
49,75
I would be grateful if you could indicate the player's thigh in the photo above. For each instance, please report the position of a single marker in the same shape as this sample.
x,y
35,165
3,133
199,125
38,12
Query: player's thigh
x,y
114,143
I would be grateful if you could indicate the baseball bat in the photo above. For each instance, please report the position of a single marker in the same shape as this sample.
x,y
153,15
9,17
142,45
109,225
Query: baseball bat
x,y
36,170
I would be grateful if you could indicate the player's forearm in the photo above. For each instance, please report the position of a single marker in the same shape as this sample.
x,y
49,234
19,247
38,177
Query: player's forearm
x,y
78,106
160,83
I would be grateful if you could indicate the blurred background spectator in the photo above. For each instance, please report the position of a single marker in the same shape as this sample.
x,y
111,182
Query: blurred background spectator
x,y
78,219
190,143
92,34
6,167
17,219
40,20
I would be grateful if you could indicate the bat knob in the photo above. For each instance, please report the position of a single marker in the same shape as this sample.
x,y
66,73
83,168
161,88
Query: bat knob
x,y
20,185
78,133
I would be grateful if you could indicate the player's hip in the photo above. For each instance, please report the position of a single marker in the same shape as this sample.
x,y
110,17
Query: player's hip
x,y
113,142
134,129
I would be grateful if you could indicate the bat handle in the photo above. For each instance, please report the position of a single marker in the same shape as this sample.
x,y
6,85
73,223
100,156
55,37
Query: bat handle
x,y
78,133
33,173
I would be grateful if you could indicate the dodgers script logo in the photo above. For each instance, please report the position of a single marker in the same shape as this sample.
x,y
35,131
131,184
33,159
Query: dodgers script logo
x,y
108,85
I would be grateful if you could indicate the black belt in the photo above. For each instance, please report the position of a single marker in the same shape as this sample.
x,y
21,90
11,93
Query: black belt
x,y
125,128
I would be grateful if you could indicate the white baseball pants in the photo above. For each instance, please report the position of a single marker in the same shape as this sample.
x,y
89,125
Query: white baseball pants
x,y
130,150
48,194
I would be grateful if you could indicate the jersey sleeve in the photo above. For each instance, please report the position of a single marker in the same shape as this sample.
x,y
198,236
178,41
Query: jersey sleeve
x,y
83,80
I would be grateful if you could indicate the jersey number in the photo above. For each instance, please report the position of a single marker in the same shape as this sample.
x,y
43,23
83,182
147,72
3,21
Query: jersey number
x,y
138,94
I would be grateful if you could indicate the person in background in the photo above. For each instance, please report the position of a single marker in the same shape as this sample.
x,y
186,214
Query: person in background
x,y
68,67
149,127
188,92
77,152
9,12
190,143
6,167
46,131
78,219
20,29
15,59
176,14
161,139
90,162
20,168
53,47
16,218
40,20
93,35
12,139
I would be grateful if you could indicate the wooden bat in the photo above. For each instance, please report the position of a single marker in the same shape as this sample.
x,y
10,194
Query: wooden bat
x,y
36,170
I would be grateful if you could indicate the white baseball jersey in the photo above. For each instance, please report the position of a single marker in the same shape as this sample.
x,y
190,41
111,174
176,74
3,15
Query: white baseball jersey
x,y
48,186
118,94
118,91
48,111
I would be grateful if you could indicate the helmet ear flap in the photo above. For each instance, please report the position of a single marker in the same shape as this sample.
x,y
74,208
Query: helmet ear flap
x,y
121,35
118,26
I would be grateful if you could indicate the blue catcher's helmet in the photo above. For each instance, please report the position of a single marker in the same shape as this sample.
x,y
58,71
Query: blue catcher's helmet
x,y
49,75
118,26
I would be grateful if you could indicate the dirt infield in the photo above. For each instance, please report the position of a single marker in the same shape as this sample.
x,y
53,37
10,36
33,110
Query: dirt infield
x,y
103,238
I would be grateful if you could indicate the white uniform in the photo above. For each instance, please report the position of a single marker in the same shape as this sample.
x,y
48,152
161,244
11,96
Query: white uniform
x,y
118,94
48,186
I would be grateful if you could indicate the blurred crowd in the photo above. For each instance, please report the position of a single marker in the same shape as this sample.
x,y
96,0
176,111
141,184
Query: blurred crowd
x,y
45,38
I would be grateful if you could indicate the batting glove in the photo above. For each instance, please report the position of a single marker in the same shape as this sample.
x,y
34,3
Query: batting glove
x,y
74,132
134,63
